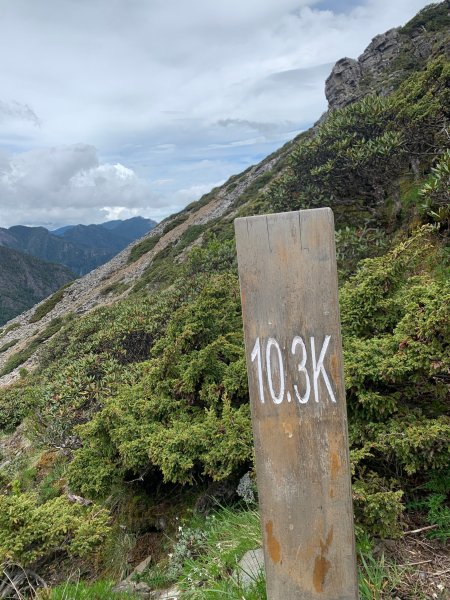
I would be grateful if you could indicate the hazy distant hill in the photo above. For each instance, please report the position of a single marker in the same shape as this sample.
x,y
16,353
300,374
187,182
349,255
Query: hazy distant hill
x,y
80,248
26,280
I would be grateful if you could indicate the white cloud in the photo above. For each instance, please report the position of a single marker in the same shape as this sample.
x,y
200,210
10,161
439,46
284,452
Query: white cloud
x,y
161,86
51,185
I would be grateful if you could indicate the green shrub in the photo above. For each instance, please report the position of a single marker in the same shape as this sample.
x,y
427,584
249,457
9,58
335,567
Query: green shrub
x,y
188,414
16,402
435,192
116,288
30,531
396,349
18,358
434,500
358,154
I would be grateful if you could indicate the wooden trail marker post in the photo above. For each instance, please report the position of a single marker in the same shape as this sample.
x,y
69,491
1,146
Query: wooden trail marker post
x,y
288,278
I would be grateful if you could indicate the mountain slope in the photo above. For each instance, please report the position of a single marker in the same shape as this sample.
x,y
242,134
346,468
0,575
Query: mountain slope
x,y
272,184
25,280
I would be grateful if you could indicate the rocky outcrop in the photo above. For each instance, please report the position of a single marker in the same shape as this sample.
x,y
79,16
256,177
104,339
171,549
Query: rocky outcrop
x,y
387,59
342,86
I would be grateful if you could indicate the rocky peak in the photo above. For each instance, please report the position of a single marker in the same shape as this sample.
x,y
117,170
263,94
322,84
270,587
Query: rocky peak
x,y
388,58
381,50
346,81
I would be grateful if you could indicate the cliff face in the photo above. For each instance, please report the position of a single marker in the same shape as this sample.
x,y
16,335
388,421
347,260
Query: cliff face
x,y
389,58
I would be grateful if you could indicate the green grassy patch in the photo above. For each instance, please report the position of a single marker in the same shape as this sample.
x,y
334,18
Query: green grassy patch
x,y
143,247
44,308
8,345
175,221
10,328
100,590
116,288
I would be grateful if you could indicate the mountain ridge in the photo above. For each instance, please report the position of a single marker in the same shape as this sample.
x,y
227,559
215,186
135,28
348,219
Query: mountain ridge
x,y
80,247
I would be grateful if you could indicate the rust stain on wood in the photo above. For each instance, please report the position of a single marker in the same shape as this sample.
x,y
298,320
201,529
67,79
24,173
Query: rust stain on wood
x,y
273,544
322,564
335,367
335,464
288,428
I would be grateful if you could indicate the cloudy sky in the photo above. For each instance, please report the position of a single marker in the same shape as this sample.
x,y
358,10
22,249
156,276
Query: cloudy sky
x,y
112,108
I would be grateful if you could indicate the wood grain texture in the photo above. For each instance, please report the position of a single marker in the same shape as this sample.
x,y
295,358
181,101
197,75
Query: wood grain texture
x,y
288,278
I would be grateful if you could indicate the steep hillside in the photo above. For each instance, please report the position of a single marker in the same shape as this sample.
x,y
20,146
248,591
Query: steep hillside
x,y
80,248
125,394
25,281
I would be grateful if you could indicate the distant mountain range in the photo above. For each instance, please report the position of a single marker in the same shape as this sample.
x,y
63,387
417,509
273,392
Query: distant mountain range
x,y
26,280
34,262
80,248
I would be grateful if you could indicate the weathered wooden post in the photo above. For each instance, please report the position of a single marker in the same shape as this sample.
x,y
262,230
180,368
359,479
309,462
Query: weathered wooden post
x,y
288,277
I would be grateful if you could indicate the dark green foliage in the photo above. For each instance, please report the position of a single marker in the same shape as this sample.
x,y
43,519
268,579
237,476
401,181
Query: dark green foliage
x,y
189,236
215,257
396,347
353,155
434,17
356,158
160,273
175,220
143,247
356,243
436,192
44,308
435,502
16,402
188,415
